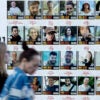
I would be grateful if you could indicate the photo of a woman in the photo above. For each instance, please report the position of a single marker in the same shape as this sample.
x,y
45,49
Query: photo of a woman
x,y
69,9
33,34
86,8
35,84
98,8
51,35
88,59
70,34
85,33
3,73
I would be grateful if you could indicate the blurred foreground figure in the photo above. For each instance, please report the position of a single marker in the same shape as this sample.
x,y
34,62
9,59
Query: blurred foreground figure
x,y
3,74
18,86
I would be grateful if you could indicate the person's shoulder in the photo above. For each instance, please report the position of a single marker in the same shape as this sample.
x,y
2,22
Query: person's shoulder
x,y
80,85
20,78
21,75
47,86
17,8
63,86
56,86
73,38
10,8
9,80
89,86
72,65
17,74
18,36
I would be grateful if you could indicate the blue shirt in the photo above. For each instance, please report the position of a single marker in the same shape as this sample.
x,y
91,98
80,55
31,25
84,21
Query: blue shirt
x,y
53,88
17,87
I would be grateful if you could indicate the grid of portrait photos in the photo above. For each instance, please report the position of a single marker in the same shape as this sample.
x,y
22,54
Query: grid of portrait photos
x,y
66,48
62,60
53,35
53,9
65,85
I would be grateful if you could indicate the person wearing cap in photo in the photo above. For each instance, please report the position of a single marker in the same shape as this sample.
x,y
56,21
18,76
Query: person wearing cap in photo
x,y
50,34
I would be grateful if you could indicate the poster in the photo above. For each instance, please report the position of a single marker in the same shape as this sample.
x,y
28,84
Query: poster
x,y
67,33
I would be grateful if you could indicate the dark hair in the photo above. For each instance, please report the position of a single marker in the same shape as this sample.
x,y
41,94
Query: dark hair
x,y
69,52
28,53
49,2
70,3
34,3
83,26
50,78
84,7
53,53
54,39
73,30
97,6
68,78
14,27
90,61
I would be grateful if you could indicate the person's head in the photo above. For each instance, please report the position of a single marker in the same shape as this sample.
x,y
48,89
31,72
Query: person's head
x,y
69,7
14,30
98,6
35,80
50,5
33,33
50,34
29,59
13,4
86,81
67,81
34,8
53,57
84,30
2,58
68,56
50,81
85,6
89,56
68,31
14,55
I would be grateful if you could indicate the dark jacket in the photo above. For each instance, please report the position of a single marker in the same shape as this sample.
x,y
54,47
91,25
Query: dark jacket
x,y
2,81
15,39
